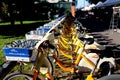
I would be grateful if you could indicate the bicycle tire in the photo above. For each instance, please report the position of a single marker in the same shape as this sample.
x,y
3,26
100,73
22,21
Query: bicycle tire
x,y
19,76
106,68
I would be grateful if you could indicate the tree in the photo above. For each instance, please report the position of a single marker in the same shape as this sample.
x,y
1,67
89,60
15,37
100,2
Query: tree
x,y
8,9
17,9
3,11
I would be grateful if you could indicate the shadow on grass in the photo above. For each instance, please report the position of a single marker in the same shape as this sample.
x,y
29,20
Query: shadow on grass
x,y
18,30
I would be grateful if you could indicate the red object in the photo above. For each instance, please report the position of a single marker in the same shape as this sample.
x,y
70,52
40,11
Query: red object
x,y
35,75
73,10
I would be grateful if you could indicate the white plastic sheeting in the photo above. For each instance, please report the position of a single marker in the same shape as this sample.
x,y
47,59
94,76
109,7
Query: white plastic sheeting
x,y
99,4
111,2
87,8
108,3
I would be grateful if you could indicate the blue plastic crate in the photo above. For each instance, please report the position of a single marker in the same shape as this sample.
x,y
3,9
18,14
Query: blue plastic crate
x,y
17,54
43,29
19,50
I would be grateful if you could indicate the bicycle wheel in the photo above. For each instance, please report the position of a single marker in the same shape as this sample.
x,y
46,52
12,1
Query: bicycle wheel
x,y
19,76
106,68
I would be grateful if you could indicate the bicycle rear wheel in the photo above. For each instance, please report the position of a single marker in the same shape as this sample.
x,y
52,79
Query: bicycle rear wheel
x,y
19,76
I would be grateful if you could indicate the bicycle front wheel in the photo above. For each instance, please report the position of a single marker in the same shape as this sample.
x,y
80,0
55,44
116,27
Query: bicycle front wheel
x,y
19,76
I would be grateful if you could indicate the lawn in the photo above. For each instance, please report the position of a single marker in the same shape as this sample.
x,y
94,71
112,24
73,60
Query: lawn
x,y
24,22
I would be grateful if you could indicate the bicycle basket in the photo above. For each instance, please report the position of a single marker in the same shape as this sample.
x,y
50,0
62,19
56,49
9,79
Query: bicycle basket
x,y
19,50
38,33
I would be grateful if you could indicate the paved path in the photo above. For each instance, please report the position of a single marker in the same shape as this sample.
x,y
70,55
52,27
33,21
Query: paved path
x,y
111,35
111,39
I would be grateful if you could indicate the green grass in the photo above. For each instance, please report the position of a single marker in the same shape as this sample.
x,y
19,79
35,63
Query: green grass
x,y
24,22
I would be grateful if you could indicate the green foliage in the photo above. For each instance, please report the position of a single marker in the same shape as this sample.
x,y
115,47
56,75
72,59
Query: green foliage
x,y
4,8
